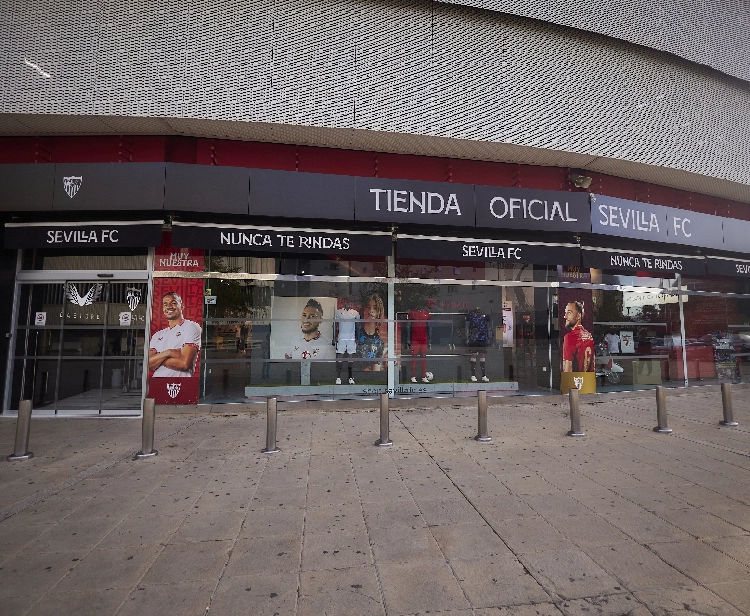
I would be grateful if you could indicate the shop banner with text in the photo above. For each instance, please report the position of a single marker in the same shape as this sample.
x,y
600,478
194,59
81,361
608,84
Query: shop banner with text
x,y
458,249
603,258
176,327
65,235
269,239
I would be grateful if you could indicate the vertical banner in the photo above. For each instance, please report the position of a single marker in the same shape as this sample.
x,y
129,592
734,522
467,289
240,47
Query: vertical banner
x,y
576,314
176,326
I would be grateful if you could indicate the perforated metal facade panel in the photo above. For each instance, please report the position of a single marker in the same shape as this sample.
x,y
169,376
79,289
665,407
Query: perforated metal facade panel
x,y
712,32
401,75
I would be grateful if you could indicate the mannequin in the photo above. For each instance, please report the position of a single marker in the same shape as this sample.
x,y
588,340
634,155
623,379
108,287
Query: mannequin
x,y
346,344
418,341
478,332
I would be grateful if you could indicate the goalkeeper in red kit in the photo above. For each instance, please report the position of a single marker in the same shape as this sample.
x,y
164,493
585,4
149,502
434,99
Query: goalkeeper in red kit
x,y
578,344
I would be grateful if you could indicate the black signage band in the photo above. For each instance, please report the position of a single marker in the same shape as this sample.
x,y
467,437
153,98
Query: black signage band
x,y
643,261
728,267
457,249
63,236
281,240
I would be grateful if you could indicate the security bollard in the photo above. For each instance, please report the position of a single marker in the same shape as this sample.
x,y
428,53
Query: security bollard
x,y
384,441
482,435
271,427
726,402
661,411
575,413
147,430
23,427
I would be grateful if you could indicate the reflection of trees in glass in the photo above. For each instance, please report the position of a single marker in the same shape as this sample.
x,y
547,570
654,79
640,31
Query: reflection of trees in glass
x,y
521,304
608,307
410,296
231,298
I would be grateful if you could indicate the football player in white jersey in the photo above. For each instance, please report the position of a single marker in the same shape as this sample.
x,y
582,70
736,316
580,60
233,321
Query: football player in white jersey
x,y
174,350
311,344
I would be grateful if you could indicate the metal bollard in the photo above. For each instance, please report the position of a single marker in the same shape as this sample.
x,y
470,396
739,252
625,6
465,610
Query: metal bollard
x,y
726,402
575,413
482,435
271,427
147,430
23,427
384,441
661,411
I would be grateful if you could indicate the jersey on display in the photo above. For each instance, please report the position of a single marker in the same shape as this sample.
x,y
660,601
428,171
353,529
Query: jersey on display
x,y
418,321
478,330
345,319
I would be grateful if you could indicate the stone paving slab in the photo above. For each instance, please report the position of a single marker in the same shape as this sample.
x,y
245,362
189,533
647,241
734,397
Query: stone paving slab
x,y
622,521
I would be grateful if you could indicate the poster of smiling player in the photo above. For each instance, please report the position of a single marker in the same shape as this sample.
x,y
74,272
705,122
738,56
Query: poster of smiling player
x,y
176,329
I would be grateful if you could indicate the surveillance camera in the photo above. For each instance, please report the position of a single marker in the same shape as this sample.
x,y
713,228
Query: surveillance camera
x,y
580,181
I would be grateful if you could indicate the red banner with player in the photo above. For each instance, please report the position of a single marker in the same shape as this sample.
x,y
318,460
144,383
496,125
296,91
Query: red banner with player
x,y
176,326
576,313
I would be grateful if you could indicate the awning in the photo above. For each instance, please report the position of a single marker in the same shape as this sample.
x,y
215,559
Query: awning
x,y
640,260
66,235
280,239
470,249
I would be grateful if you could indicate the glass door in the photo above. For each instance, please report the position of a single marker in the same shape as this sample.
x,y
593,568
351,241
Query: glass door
x,y
79,346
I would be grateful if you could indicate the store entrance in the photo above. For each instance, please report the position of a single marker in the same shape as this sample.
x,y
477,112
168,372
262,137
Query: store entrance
x,y
79,347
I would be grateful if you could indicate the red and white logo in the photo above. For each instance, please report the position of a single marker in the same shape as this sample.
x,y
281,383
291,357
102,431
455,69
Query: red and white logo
x,y
173,389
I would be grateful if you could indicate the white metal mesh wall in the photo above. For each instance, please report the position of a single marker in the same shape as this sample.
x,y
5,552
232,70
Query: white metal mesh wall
x,y
393,75
712,32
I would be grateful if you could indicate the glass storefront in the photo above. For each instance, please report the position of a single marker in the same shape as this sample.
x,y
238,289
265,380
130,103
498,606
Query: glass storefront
x,y
320,326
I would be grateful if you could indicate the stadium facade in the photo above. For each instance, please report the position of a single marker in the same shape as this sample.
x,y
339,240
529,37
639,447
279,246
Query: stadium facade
x,y
212,202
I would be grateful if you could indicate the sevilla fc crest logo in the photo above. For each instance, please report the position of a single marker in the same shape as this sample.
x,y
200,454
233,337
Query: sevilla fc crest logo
x,y
72,294
578,380
173,389
134,297
72,185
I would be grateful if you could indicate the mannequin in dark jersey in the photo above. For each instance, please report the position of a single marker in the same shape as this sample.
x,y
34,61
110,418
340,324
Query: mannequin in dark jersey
x,y
478,333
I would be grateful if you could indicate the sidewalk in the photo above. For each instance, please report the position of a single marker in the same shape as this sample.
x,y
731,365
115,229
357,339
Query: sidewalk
x,y
621,521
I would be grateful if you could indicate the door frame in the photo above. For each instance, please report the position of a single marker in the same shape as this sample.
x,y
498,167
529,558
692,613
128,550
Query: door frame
x,y
61,276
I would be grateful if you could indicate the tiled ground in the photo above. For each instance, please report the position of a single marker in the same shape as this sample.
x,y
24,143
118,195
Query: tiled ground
x,y
622,521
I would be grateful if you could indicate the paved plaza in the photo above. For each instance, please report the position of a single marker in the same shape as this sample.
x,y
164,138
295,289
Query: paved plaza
x,y
534,523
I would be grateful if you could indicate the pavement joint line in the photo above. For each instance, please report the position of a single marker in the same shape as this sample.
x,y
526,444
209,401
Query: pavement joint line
x,y
479,513
614,491
364,518
674,435
298,594
230,552
78,477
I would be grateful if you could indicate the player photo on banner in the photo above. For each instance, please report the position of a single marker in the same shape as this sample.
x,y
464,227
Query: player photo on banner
x,y
577,357
176,331
303,328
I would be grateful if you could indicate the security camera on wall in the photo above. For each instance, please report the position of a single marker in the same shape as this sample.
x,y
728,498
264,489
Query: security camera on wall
x,y
580,181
